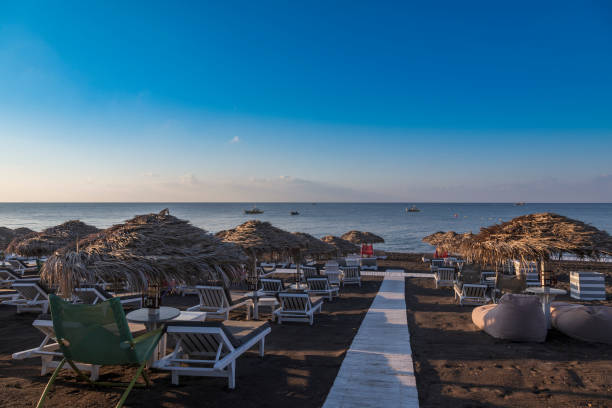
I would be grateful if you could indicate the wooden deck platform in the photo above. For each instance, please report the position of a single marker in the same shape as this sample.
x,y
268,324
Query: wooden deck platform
x,y
377,370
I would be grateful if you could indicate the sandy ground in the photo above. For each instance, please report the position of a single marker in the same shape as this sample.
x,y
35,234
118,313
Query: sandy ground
x,y
299,367
459,366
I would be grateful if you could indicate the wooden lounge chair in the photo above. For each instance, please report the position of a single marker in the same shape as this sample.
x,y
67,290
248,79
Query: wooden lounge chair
x,y
445,277
332,272
48,350
297,307
352,276
210,349
32,297
472,294
96,294
321,286
217,301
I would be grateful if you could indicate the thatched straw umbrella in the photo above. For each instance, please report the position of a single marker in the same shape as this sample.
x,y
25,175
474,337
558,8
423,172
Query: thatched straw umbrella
x,y
260,237
449,241
48,241
537,237
7,235
150,248
363,238
314,246
343,247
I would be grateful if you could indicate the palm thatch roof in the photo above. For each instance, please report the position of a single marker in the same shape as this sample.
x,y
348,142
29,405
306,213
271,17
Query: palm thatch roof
x,y
449,241
49,240
343,247
148,248
314,246
362,237
7,235
259,237
536,237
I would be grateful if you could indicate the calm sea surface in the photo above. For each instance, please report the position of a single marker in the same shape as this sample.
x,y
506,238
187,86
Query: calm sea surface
x,y
402,231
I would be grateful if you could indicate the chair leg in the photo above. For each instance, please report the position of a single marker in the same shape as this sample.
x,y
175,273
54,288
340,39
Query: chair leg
x,y
129,388
262,346
51,380
231,379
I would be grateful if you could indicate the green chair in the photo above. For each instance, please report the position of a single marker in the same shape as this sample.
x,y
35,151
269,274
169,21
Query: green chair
x,y
99,334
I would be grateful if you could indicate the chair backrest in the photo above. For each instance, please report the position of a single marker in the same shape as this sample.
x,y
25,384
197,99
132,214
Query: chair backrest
x,y
92,294
271,286
333,276
437,262
295,302
318,284
446,274
8,276
486,274
352,262
30,290
93,334
331,266
215,297
351,272
309,272
474,291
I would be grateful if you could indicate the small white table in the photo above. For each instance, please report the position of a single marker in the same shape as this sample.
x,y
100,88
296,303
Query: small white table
x,y
261,300
152,321
546,296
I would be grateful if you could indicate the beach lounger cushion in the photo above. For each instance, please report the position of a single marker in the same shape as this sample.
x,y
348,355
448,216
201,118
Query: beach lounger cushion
x,y
514,318
582,322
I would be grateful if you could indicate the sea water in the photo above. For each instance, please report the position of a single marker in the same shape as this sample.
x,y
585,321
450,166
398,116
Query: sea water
x,y
402,231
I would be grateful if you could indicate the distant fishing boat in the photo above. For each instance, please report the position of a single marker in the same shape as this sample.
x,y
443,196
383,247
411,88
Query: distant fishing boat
x,y
412,209
520,203
295,213
254,210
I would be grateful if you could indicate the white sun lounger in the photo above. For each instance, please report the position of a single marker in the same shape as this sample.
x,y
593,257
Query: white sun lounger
x,y
32,297
351,276
445,277
210,349
297,307
96,294
49,352
321,286
472,294
216,302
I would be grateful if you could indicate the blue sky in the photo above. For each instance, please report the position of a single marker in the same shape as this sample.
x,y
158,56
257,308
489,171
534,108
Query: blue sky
x,y
318,101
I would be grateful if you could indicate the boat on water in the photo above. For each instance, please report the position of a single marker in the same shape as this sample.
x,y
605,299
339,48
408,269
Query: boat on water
x,y
294,213
253,210
412,209
520,203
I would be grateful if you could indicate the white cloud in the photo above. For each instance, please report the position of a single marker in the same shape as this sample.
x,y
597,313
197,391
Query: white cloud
x,y
235,139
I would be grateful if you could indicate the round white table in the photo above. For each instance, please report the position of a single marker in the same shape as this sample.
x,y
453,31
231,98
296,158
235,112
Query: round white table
x,y
546,296
152,321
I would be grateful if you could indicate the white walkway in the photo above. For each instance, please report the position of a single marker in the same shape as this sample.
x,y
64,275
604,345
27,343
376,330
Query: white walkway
x,y
378,370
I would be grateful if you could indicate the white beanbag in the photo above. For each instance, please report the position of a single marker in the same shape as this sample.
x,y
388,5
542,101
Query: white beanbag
x,y
515,318
586,323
